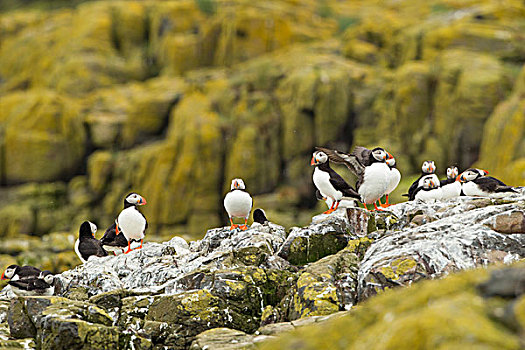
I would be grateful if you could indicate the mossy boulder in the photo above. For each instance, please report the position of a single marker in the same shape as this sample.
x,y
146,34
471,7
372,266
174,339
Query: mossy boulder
x,y
43,138
448,312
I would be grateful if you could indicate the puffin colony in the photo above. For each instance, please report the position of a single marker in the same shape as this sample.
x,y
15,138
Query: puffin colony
x,y
376,174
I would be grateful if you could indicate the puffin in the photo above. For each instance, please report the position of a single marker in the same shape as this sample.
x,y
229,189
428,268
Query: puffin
x,y
15,272
476,183
427,168
259,216
87,245
451,187
111,242
429,190
371,170
329,183
43,284
238,203
394,176
131,222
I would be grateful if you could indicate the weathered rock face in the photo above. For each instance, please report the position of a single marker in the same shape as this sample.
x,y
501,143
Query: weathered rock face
x,y
262,280
113,97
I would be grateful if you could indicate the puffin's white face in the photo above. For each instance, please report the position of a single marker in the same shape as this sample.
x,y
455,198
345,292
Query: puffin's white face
x,y
136,199
428,167
9,273
47,276
482,172
93,228
237,184
452,172
380,155
429,183
319,158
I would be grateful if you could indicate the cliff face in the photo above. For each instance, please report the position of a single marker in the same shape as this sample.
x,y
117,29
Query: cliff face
x,y
172,99
230,285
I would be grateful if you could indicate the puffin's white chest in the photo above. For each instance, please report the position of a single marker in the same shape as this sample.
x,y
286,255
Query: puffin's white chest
x,y
322,182
451,190
472,189
394,176
375,182
238,204
131,223
429,196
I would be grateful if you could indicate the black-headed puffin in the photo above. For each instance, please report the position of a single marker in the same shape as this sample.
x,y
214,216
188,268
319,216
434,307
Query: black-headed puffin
x,y
429,190
451,187
15,272
238,203
130,222
87,245
43,284
475,183
371,170
329,183
427,168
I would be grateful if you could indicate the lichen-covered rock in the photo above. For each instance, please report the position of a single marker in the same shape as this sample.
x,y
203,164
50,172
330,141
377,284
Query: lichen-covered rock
x,y
448,312
458,238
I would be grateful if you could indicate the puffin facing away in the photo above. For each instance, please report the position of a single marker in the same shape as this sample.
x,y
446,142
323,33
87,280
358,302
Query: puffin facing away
x,y
371,170
43,284
15,272
429,190
329,183
475,183
427,168
393,178
238,203
130,222
87,245
451,188
259,216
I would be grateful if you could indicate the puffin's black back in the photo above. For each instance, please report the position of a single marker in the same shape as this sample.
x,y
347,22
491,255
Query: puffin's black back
x,y
85,230
258,216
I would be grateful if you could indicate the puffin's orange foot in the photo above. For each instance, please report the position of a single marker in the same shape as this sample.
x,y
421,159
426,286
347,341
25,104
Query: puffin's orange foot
x,y
386,205
127,251
243,227
329,211
376,208
233,227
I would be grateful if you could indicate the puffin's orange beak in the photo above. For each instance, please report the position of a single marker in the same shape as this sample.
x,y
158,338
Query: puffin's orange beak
x,y
460,178
389,156
3,277
313,161
486,172
142,201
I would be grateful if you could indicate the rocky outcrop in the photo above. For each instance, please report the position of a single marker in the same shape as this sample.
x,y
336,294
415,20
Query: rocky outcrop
x,y
246,286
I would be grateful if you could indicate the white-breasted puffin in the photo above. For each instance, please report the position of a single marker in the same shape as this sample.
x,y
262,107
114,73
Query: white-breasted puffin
x,y
259,216
87,245
238,203
43,284
329,183
451,187
16,272
429,189
393,178
476,183
371,170
131,222
427,168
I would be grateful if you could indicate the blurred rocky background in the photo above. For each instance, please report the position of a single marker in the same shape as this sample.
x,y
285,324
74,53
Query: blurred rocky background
x,y
173,99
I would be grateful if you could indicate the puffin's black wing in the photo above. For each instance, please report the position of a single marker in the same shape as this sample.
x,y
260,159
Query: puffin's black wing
x,y
490,184
362,154
350,160
91,247
340,184
22,284
27,271
413,188
111,238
